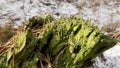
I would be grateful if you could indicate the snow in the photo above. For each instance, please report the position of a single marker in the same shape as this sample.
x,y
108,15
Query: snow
x,y
67,8
115,49
17,11
112,57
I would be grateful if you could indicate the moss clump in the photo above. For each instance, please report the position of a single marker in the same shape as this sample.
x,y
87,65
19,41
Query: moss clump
x,y
62,43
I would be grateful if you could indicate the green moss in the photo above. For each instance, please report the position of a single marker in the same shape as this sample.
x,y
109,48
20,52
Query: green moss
x,y
73,41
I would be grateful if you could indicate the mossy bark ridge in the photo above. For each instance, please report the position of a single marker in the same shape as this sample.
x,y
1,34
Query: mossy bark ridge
x,y
62,43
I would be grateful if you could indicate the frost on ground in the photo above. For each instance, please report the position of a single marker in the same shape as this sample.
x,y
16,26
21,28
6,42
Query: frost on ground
x,y
102,12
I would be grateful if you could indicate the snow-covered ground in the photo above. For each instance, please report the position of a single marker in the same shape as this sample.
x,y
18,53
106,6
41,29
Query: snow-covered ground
x,y
102,12
110,58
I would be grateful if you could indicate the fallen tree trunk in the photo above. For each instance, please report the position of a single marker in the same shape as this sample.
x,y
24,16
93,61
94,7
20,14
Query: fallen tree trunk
x,y
63,43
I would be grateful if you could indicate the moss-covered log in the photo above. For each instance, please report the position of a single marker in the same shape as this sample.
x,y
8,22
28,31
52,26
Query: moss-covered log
x,y
62,43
